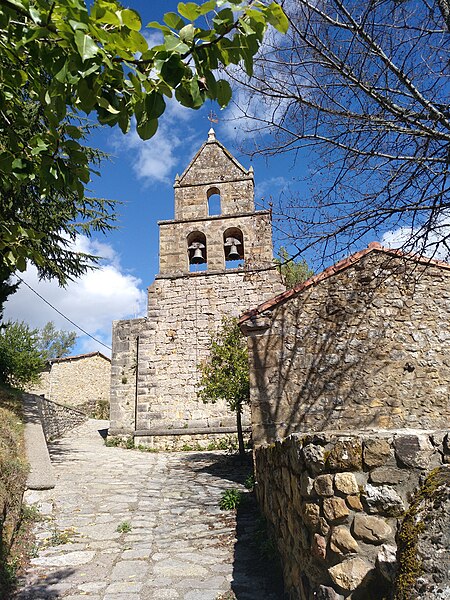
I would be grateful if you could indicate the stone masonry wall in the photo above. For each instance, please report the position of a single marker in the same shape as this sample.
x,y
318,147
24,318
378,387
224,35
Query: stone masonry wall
x,y
57,419
368,347
77,381
334,501
168,346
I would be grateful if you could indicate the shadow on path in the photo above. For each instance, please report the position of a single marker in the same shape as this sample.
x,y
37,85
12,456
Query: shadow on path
x,y
256,572
45,589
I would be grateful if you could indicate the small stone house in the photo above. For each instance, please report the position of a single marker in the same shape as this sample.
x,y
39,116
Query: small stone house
x,y
363,345
82,381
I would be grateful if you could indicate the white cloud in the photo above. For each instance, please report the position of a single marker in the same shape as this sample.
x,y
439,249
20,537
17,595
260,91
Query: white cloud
x,y
155,160
93,301
435,243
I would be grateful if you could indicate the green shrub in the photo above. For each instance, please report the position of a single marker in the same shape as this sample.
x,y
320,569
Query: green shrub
x,y
20,358
230,499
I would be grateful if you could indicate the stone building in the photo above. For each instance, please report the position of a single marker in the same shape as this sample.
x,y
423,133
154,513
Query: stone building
x,y
216,259
363,345
82,381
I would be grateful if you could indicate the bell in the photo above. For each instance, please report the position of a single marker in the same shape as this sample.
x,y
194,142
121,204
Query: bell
x,y
197,259
233,253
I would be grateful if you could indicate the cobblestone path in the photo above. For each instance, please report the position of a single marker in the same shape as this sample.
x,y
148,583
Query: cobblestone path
x,y
127,525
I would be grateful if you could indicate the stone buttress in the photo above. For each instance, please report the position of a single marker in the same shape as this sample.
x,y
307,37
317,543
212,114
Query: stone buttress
x,y
215,260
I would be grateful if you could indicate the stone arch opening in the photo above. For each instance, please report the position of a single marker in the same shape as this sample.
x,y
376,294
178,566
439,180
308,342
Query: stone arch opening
x,y
233,245
197,251
214,206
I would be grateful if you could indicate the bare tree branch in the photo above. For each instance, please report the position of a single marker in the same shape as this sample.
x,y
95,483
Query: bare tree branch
x,y
364,87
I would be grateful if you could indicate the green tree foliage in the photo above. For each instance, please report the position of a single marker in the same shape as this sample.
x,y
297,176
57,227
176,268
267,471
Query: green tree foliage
x,y
64,58
225,374
54,343
42,227
292,271
20,358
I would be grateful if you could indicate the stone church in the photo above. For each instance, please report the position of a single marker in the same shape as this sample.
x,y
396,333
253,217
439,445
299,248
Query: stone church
x,y
216,259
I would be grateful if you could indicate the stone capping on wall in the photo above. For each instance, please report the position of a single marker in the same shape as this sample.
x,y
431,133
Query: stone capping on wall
x,y
244,270
158,432
57,419
333,269
78,356
215,217
334,502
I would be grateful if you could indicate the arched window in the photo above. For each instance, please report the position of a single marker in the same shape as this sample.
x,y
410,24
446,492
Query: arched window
x,y
213,195
233,244
197,251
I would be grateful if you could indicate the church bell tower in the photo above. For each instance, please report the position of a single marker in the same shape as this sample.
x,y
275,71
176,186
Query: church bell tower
x,y
216,260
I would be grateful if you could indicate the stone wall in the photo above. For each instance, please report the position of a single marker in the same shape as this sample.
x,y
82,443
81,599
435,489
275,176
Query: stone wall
x,y
334,501
154,364
80,381
363,345
57,419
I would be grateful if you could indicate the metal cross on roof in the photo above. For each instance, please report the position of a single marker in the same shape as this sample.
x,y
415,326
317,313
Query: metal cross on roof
x,y
212,117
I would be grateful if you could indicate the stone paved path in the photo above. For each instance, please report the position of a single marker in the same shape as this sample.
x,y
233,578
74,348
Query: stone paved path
x,y
175,543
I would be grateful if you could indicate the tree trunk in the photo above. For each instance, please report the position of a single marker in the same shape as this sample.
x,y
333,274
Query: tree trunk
x,y
239,431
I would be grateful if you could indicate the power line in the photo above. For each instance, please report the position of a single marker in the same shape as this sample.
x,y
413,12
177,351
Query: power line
x,y
60,313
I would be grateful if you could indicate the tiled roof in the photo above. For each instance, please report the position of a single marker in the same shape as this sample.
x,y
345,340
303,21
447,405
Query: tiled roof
x,y
77,356
336,268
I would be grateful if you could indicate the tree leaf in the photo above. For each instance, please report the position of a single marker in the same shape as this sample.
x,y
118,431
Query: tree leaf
x,y
224,93
147,129
174,44
187,34
189,10
174,21
131,19
154,105
173,70
87,48
276,17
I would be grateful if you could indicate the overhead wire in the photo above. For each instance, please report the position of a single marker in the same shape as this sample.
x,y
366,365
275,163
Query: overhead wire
x,y
62,314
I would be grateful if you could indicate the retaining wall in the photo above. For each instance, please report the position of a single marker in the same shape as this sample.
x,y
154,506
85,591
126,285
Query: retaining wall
x,y
334,502
57,419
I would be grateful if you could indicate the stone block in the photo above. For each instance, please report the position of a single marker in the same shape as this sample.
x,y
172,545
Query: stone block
x,y
342,542
388,475
319,547
413,450
376,452
335,509
383,499
323,485
386,562
346,484
354,503
311,515
346,455
314,458
373,530
349,574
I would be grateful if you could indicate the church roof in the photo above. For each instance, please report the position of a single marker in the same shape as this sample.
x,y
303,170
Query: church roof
x,y
78,357
213,140
336,268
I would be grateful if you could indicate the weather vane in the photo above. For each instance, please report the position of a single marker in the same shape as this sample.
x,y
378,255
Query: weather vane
x,y
212,117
